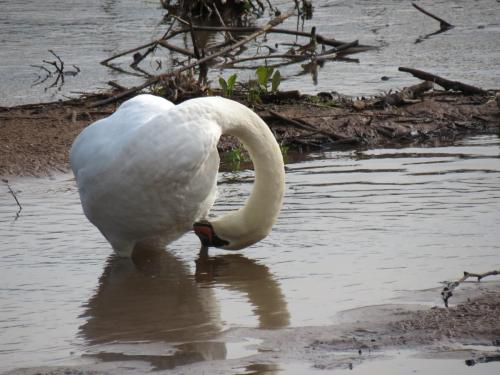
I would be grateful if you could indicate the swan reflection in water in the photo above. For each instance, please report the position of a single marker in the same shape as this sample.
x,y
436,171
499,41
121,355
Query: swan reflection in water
x,y
157,300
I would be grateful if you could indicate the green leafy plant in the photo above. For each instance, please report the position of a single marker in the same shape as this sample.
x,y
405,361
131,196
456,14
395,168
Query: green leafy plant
x,y
227,87
275,81
235,157
265,77
266,83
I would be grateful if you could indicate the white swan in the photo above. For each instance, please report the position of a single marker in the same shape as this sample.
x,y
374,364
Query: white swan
x,y
149,171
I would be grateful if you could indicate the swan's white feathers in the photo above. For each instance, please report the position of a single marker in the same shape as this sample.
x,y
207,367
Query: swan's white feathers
x,y
149,171
160,163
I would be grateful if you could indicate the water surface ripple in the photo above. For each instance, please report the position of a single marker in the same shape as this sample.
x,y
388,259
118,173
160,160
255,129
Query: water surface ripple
x,y
357,228
85,33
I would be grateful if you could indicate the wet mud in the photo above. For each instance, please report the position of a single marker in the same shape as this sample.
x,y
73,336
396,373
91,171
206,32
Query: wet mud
x,y
35,139
467,330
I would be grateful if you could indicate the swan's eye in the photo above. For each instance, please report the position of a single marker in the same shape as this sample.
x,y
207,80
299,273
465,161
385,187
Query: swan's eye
x,y
207,236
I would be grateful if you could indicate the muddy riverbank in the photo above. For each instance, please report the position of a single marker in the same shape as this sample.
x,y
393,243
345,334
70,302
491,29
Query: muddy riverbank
x,y
343,233
35,139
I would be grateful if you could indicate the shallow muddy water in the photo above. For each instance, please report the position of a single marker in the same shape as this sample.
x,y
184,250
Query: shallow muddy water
x,y
357,228
84,33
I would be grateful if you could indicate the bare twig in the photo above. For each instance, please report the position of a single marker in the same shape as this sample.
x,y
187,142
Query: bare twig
x,y
447,291
116,86
42,68
175,48
221,20
203,60
123,53
60,67
15,198
443,25
320,39
327,55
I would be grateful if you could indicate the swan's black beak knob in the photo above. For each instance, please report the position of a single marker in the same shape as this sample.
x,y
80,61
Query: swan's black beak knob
x,y
207,236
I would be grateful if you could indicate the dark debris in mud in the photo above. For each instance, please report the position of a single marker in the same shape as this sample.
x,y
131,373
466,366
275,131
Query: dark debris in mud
x,y
35,139
472,322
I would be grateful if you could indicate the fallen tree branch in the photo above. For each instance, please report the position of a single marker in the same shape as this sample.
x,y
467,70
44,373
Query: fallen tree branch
x,y
482,359
447,291
177,49
408,95
151,45
319,38
443,82
156,79
299,125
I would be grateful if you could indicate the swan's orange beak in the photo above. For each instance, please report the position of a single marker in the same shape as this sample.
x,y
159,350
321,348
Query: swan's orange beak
x,y
207,236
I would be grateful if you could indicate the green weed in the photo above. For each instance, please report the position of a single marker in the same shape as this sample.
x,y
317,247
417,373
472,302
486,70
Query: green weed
x,y
227,87
268,81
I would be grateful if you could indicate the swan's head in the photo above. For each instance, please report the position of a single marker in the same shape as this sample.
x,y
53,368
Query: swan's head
x,y
206,233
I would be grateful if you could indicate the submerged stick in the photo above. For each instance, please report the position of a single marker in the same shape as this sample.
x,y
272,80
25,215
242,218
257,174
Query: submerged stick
x,y
15,197
443,25
156,79
447,291
443,82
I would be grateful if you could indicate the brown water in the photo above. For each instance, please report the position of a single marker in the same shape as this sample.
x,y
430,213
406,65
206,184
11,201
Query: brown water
x,y
358,228
84,33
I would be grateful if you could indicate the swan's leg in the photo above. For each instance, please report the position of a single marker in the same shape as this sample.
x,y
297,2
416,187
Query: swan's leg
x,y
203,254
205,270
123,249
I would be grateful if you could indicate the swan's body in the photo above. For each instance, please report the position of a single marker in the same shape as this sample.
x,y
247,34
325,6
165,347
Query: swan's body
x,y
149,172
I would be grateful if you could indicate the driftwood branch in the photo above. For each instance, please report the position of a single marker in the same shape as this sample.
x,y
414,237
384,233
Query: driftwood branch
x,y
158,78
299,125
448,289
408,95
319,38
443,82
482,359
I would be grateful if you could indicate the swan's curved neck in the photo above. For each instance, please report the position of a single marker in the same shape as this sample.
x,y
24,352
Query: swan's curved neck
x,y
255,219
